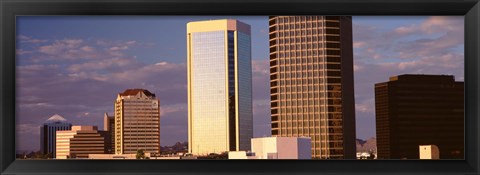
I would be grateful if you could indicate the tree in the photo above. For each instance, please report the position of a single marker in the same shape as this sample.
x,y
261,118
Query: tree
x,y
48,156
140,154
372,156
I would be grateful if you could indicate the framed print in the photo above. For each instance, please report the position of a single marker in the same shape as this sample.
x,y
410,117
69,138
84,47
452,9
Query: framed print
x,y
142,87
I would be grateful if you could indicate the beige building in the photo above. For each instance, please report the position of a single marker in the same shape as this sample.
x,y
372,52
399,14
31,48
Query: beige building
x,y
79,142
276,148
109,133
219,86
137,122
429,152
311,80
282,147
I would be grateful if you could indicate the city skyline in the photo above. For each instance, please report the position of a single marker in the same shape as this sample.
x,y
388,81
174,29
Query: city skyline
x,y
38,55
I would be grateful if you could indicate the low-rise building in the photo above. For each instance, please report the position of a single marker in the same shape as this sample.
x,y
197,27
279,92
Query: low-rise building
x,y
79,142
429,152
241,155
282,147
276,148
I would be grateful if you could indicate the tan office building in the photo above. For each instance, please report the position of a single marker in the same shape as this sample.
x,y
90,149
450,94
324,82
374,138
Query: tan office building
x,y
137,122
109,133
79,142
311,80
219,86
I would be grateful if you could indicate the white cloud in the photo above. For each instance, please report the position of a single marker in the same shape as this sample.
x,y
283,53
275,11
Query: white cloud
x,y
27,39
161,63
28,129
165,110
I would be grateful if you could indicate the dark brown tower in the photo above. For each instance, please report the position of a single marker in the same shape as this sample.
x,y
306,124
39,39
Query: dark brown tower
x,y
413,110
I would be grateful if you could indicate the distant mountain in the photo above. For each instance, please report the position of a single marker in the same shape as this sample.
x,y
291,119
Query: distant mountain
x,y
367,145
179,146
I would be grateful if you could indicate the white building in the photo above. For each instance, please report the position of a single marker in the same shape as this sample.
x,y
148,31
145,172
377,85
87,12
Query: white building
x,y
276,148
366,155
241,155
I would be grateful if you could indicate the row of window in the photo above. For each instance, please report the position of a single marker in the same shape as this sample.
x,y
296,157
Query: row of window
x,y
301,89
305,124
293,19
149,110
305,63
292,96
315,90
137,101
286,110
303,44
301,103
307,81
310,50
306,131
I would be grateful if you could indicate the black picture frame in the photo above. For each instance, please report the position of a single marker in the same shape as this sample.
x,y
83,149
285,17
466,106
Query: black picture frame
x,y
9,9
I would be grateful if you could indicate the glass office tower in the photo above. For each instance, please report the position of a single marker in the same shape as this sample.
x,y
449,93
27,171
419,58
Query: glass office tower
x,y
311,80
219,86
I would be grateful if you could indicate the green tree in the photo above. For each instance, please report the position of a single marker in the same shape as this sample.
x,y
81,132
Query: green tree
x,y
140,154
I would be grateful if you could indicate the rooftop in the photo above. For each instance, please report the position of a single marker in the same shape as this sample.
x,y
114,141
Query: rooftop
x,y
131,92
56,118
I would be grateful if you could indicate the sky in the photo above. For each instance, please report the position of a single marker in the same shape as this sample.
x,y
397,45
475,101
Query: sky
x,y
75,66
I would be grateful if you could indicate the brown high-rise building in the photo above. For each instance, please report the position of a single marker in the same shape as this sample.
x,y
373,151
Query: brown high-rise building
x,y
414,110
109,133
137,122
311,80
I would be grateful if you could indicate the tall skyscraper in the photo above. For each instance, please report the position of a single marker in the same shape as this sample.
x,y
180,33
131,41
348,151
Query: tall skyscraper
x,y
137,122
79,142
414,110
311,82
109,133
219,86
48,131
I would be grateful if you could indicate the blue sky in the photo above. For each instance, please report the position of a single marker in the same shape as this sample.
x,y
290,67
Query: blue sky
x,y
76,65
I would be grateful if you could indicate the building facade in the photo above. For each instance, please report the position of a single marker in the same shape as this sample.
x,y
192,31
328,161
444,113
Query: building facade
x,y
413,110
48,133
137,122
109,133
311,82
79,142
282,147
219,86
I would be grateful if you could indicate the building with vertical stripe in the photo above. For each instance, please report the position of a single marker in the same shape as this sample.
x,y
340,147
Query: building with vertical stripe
x,y
219,86
311,82
48,131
